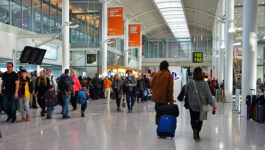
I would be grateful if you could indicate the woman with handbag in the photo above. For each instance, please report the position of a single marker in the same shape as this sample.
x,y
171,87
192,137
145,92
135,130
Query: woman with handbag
x,y
199,96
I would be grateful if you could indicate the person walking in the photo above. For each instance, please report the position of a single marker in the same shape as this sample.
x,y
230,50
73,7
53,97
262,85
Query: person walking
x,y
25,89
117,89
199,94
106,88
66,86
130,84
141,87
76,89
33,102
96,87
42,85
162,87
147,86
1,97
10,86
52,80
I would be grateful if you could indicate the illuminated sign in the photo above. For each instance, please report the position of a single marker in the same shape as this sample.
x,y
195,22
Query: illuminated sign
x,y
91,58
197,57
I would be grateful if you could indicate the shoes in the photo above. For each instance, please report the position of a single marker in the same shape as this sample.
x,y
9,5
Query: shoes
x,y
118,110
196,136
107,102
27,118
22,120
8,119
49,116
130,110
123,105
82,114
13,121
66,117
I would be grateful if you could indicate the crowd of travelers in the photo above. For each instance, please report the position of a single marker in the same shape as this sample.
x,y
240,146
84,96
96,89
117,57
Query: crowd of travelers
x,y
22,91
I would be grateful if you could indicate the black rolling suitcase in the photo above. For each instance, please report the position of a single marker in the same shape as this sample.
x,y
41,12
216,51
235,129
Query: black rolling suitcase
x,y
260,114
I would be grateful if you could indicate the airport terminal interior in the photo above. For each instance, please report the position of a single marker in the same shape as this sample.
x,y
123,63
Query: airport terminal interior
x,y
132,74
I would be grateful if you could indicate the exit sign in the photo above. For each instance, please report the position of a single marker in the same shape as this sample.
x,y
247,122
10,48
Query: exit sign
x,y
197,57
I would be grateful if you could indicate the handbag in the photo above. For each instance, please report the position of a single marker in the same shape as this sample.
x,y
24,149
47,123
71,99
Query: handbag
x,y
203,108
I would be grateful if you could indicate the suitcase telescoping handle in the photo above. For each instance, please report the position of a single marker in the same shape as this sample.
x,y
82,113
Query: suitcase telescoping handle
x,y
252,92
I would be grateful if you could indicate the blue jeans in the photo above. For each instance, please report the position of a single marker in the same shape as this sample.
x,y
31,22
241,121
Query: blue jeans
x,y
10,105
130,98
50,110
66,99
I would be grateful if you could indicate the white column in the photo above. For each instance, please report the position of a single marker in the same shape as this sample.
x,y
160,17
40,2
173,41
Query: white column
x,y
221,47
104,38
139,63
249,60
65,32
229,50
126,42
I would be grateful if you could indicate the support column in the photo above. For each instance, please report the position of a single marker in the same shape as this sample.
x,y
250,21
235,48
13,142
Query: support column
x,y
65,33
104,38
126,42
229,50
140,55
221,32
249,60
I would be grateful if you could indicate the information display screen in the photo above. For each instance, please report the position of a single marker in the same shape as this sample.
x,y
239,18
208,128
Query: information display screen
x,y
91,58
197,57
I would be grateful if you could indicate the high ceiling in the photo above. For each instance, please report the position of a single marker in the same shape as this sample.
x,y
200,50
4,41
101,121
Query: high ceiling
x,y
199,14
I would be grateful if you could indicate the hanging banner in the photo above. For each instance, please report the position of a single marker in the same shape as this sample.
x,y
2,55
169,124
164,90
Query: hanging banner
x,y
115,17
134,35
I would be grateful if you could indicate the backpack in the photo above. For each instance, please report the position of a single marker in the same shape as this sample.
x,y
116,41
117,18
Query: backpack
x,y
82,96
66,84
50,99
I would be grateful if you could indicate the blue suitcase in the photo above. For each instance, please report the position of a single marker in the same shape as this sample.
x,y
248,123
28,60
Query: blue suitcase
x,y
167,126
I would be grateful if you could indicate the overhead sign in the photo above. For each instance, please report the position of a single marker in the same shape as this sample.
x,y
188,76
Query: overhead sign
x,y
134,35
197,57
115,17
91,58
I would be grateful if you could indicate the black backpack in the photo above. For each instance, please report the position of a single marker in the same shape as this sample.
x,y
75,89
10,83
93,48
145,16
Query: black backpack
x,y
66,84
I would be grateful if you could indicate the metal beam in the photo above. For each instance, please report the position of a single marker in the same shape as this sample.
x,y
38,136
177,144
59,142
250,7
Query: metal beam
x,y
200,11
141,14
27,36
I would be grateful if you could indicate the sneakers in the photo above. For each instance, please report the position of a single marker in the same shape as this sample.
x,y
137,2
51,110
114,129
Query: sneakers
x,y
118,110
66,117
107,102
27,118
196,136
22,120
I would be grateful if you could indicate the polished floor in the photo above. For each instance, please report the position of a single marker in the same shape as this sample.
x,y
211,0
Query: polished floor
x,y
105,129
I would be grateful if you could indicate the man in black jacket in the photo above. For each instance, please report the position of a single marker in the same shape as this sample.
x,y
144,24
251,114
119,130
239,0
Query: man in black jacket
x,y
130,84
141,87
96,84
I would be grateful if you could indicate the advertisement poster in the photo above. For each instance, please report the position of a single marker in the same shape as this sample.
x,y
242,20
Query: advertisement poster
x,y
134,35
115,18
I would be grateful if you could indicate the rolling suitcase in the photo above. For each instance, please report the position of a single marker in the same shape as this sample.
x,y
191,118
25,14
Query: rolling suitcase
x,y
260,113
167,126
250,102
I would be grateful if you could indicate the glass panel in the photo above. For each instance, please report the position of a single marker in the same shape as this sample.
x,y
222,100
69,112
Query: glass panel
x,y
4,11
26,14
36,16
46,20
17,13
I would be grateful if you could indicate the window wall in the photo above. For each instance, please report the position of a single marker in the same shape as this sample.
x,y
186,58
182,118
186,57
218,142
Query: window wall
x,y
45,17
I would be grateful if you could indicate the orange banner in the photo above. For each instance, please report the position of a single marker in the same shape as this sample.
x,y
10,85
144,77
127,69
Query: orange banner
x,y
134,35
115,17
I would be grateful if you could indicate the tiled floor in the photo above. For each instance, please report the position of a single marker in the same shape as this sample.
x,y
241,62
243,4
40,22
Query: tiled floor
x,y
105,129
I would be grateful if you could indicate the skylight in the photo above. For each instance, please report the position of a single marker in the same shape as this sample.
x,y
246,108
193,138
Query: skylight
x,y
173,13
